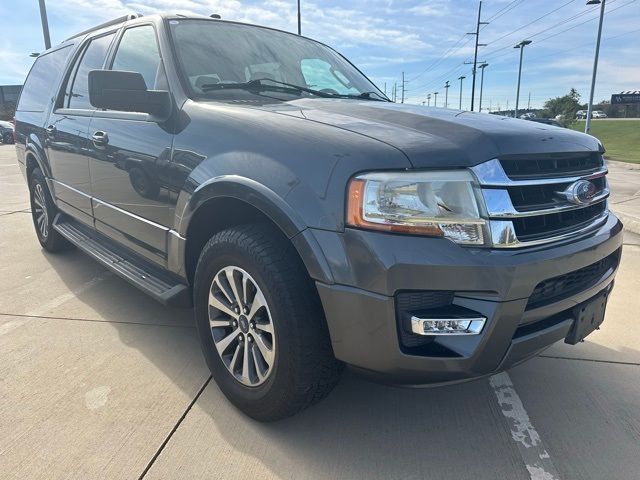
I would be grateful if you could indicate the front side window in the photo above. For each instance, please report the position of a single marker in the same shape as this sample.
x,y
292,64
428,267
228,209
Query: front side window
x,y
42,80
93,57
138,52
215,55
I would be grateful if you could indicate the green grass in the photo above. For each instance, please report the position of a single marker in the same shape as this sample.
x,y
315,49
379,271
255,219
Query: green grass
x,y
621,138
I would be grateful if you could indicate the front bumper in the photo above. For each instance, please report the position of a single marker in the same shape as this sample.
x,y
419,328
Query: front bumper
x,y
371,268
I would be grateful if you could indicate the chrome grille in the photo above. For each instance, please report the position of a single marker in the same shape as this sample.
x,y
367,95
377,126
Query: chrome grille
x,y
525,199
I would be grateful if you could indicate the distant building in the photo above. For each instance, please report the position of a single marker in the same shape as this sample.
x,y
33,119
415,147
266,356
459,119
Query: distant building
x,y
626,103
8,99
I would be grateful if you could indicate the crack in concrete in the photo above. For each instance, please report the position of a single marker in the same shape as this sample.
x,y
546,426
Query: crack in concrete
x,y
613,362
174,429
93,320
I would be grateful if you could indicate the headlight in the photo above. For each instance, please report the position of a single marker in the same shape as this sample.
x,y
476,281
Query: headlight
x,y
436,203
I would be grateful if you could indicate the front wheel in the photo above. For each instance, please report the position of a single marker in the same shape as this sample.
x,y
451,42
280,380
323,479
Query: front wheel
x,y
260,323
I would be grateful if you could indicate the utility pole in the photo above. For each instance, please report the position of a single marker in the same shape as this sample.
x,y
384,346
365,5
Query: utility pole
x,y
446,94
475,55
521,46
299,20
395,89
529,102
435,99
587,124
403,84
429,100
461,78
385,89
45,25
482,66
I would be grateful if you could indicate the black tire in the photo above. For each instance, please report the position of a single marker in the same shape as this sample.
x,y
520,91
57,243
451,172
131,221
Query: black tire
x,y
304,369
7,138
43,211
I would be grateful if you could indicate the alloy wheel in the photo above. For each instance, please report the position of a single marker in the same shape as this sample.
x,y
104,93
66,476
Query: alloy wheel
x,y
241,326
40,211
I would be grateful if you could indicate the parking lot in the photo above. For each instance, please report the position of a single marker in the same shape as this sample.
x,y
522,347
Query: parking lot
x,y
99,381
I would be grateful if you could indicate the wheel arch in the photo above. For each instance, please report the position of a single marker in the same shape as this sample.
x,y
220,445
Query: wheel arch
x,y
231,200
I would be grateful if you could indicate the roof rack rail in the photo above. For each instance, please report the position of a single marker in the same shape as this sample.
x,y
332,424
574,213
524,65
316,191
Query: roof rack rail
x,y
115,21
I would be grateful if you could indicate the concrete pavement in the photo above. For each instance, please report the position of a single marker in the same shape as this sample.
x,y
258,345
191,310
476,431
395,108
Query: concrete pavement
x,y
624,180
99,381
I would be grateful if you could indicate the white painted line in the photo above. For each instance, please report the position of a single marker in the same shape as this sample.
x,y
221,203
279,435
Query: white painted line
x,y
532,450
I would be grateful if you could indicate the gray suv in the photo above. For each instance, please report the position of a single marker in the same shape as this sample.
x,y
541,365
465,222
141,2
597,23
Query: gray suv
x,y
261,178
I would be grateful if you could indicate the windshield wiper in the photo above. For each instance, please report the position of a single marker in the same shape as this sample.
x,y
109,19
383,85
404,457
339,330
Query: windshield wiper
x,y
257,84
367,96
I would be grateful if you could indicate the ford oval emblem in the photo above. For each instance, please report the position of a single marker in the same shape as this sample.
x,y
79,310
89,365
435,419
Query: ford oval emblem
x,y
580,192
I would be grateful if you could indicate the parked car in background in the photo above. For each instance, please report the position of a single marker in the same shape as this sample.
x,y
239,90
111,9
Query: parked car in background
x,y
528,116
582,114
260,177
6,132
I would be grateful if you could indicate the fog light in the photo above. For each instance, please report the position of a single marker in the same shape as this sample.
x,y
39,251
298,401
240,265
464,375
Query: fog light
x,y
447,326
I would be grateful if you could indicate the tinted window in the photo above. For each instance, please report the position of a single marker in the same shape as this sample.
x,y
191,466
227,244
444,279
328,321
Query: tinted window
x,y
92,59
138,52
39,88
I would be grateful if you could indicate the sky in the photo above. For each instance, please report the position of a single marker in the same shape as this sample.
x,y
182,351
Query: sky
x,y
424,39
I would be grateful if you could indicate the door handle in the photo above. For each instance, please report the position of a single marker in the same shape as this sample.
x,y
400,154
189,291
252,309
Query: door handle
x,y
51,130
100,138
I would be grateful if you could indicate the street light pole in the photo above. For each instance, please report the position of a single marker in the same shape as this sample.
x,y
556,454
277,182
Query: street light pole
x,y
587,125
461,78
446,94
429,100
45,25
482,67
521,46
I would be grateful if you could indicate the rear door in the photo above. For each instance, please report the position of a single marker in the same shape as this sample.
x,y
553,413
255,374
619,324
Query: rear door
x,y
67,132
134,198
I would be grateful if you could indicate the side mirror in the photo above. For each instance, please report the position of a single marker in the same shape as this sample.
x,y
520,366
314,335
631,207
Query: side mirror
x,y
127,92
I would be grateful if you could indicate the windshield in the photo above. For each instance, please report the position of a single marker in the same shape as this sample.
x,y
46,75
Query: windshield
x,y
219,57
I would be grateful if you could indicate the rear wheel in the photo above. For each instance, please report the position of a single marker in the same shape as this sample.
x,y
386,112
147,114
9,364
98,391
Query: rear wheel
x,y
43,212
260,324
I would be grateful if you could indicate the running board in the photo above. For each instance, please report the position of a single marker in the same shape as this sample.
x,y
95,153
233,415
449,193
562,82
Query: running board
x,y
161,285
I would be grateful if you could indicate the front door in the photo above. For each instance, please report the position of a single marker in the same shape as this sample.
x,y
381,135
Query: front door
x,y
129,155
67,133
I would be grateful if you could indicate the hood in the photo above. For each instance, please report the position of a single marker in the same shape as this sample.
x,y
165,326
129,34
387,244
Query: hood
x,y
438,137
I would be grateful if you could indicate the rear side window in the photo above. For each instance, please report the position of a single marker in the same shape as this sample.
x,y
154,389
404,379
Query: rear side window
x,y
93,57
38,90
138,52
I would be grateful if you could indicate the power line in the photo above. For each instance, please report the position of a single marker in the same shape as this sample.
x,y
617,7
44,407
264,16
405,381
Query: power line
x,y
531,22
492,56
444,56
504,10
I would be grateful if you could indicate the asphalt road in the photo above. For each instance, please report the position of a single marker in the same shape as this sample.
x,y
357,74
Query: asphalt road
x,y
99,381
